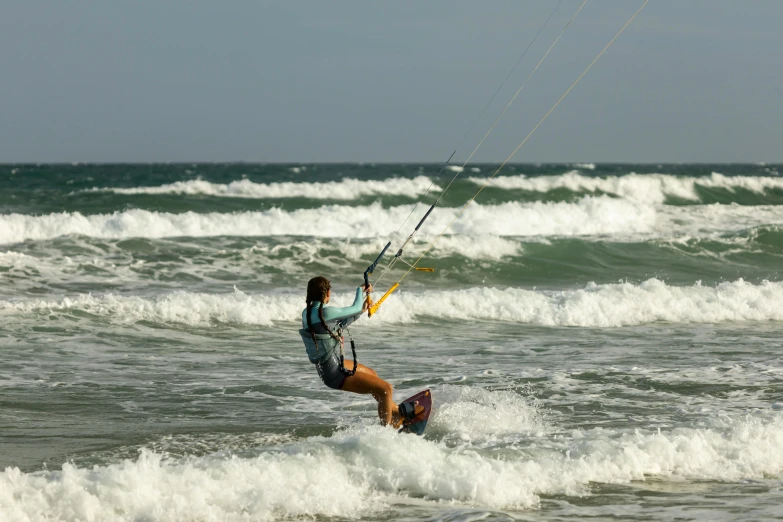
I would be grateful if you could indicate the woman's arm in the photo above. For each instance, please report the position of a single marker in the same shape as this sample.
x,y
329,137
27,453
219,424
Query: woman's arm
x,y
333,313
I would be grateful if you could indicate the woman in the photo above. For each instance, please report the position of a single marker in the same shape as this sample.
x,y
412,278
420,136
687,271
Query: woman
x,y
322,335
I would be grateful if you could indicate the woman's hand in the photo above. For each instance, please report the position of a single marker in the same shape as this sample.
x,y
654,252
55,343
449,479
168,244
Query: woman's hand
x,y
367,300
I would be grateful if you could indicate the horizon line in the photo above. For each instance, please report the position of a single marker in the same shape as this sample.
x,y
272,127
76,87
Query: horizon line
x,y
253,162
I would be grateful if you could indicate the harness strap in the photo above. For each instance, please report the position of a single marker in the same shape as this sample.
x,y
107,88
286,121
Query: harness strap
x,y
348,373
339,334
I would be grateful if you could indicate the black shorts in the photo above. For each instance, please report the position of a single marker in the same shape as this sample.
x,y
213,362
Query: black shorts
x,y
330,372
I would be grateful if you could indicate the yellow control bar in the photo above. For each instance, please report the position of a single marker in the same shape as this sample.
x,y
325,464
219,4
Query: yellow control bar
x,y
374,307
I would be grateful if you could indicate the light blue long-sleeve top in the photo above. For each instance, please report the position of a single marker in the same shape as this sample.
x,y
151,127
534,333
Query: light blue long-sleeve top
x,y
336,319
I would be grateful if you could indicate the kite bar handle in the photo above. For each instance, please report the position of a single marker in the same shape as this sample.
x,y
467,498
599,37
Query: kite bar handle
x,y
374,264
368,300
374,308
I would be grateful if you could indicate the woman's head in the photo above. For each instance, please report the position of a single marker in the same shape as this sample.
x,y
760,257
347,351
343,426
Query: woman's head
x,y
318,289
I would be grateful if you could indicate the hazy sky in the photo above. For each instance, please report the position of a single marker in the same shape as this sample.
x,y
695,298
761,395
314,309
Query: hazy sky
x,y
317,80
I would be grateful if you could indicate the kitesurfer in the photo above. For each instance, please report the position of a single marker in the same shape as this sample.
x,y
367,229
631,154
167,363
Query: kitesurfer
x,y
321,332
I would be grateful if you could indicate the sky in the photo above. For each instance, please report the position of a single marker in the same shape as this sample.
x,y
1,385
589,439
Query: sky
x,y
402,81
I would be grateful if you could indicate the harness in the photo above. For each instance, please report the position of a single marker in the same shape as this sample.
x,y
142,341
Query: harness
x,y
349,373
314,348
310,336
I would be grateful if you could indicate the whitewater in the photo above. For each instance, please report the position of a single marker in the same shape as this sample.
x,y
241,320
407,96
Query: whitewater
x,y
587,216
601,341
602,306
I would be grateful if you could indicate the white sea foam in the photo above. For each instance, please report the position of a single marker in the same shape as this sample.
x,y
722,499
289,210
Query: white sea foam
x,y
17,259
481,417
266,488
609,305
487,247
603,215
23,270
586,166
194,309
28,270
455,168
749,381
345,189
360,471
649,188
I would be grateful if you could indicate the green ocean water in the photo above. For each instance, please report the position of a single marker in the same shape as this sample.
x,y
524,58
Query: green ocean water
x,y
602,341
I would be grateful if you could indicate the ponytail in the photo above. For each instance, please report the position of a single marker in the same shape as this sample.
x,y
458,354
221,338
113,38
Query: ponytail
x,y
310,323
321,317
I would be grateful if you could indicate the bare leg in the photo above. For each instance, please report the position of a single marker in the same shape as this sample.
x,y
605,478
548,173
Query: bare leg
x,y
366,381
362,368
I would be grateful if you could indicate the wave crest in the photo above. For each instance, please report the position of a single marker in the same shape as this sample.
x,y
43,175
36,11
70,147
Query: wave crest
x,y
601,215
611,305
361,470
345,189
648,188
588,216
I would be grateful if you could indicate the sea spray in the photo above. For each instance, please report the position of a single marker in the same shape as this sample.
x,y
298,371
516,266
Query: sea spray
x,y
608,305
358,471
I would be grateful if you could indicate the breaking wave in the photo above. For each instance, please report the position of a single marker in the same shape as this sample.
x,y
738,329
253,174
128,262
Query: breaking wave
x,y
346,189
607,305
601,215
648,188
363,470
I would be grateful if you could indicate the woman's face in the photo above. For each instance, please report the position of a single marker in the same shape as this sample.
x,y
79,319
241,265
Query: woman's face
x,y
328,295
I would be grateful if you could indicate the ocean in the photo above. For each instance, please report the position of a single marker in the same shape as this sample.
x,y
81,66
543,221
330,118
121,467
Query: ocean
x,y
602,341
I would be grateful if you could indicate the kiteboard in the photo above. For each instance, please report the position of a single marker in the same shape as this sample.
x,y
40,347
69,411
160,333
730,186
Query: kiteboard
x,y
418,422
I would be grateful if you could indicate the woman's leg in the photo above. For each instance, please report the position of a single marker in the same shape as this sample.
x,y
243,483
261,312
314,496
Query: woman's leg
x,y
348,365
367,381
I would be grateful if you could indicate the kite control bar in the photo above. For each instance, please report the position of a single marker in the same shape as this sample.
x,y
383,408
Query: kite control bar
x,y
368,299
374,264
373,307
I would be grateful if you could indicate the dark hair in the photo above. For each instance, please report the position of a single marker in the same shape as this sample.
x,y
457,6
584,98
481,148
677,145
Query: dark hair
x,y
317,288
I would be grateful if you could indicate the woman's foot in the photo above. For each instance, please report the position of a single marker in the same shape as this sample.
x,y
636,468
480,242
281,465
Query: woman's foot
x,y
405,412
